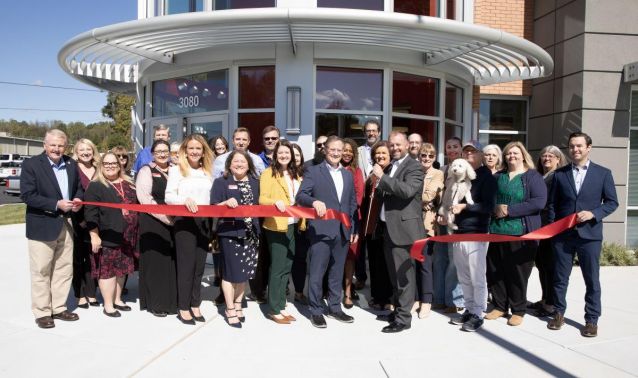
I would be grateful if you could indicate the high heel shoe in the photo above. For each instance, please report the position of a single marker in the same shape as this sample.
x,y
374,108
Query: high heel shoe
x,y
345,304
185,321
199,318
83,305
241,318
228,317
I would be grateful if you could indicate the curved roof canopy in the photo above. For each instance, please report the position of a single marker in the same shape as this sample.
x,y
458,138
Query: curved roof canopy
x,y
109,57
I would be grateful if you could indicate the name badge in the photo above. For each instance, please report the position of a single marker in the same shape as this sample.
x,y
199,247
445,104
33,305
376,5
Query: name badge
x,y
232,187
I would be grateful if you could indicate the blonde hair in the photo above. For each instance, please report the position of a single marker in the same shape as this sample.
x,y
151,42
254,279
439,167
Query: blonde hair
x,y
206,162
99,175
427,147
528,162
96,153
121,150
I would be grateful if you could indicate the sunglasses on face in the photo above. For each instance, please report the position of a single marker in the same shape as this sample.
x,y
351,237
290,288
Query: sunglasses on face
x,y
122,156
423,156
320,145
267,139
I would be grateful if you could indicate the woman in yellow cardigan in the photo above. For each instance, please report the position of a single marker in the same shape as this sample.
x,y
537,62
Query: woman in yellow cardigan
x,y
278,186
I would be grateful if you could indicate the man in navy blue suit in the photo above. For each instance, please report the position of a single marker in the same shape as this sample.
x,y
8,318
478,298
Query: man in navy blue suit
x,y
50,186
328,186
587,189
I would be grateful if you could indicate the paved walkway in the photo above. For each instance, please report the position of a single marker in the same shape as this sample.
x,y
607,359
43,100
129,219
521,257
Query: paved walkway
x,y
138,344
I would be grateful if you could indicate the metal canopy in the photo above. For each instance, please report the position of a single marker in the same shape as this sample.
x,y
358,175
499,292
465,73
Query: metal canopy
x,y
109,57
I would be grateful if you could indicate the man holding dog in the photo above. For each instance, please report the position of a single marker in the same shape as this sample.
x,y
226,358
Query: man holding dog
x,y
470,257
402,223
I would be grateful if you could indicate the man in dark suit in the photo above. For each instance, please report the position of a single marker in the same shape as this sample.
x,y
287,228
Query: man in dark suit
x,y
328,186
50,186
587,189
402,220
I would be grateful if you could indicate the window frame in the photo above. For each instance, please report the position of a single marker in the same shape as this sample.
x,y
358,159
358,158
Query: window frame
x,y
526,99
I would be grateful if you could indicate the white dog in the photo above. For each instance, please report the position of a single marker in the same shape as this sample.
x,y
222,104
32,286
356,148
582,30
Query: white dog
x,y
457,187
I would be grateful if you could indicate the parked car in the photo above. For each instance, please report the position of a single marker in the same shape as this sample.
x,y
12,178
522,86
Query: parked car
x,y
6,158
12,185
12,168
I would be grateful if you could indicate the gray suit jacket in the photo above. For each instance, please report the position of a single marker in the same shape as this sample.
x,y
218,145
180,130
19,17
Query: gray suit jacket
x,y
401,195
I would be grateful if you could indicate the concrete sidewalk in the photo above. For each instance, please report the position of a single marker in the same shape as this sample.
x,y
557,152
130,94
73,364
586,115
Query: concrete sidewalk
x,y
142,345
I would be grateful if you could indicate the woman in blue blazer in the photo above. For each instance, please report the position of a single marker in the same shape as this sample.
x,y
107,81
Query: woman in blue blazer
x,y
238,237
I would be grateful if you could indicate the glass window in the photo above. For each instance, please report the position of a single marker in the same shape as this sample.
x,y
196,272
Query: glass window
x,y
632,184
453,131
351,4
349,89
242,4
183,6
255,123
257,87
412,94
499,114
500,139
453,103
198,93
343,125
634,108
451,9
427,129
418,7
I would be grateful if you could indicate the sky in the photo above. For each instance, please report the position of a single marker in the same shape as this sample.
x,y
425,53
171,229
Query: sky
x,y
31,35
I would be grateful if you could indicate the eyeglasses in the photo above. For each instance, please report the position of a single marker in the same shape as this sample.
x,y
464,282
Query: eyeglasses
x,y
266,139
122,156
431,156
106,165
320,144
163,152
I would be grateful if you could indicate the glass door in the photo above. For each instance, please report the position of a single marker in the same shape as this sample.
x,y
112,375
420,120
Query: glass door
x,y
174,126
208,126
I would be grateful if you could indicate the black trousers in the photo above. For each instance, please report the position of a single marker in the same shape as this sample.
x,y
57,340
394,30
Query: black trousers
x,y
259,284
299,262
191,245
509,266
402,278
360,264
380,285
425,276
545,266
83,283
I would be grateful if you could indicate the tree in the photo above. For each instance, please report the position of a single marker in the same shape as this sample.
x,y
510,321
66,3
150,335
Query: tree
x,y
118,108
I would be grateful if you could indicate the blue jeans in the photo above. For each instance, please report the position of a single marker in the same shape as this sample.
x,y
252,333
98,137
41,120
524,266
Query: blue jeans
x,y
446,284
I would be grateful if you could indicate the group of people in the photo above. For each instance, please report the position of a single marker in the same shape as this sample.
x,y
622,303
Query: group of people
x,y
391,191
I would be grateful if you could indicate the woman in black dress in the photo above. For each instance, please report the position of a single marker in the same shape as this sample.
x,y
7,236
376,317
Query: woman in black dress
x,y
113,232
238,237
158,277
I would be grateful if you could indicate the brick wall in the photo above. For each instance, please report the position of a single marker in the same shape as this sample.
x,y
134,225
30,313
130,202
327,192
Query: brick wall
x,y
515,17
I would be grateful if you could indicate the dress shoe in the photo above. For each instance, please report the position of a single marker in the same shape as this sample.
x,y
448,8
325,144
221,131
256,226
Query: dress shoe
x,y
94,304
460,319
229,317
424,310
347,302
114,314
45,322
66,316
395,327
415,307
590,330
341,316
239,310
318,321
515,320
123,307
83,305
199,318
290,318
185,321
159,314
556,322
494,314
390,318
354,295
282,320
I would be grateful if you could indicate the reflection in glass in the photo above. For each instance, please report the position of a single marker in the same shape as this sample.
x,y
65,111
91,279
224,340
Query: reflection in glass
x,y
242,4
255,123
453,102
183,6
198,93
414,94
207,129
453,131
257,87
426,128
632,179
351,4
349,89
500,139
451,9
343,125
418,7
498,114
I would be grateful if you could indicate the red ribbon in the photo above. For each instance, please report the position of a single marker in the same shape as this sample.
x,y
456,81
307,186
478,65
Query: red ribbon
x,y
217,211
545,232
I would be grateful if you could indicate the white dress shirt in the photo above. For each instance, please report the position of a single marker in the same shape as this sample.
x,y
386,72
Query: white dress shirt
x,y
579,174
337,177
395,166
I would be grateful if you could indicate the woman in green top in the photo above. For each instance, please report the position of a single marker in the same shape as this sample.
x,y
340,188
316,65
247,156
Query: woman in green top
x,y
520,197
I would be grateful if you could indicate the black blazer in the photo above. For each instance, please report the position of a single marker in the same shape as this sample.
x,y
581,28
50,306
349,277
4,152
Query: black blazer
x,y
40,190
225,188
109,222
